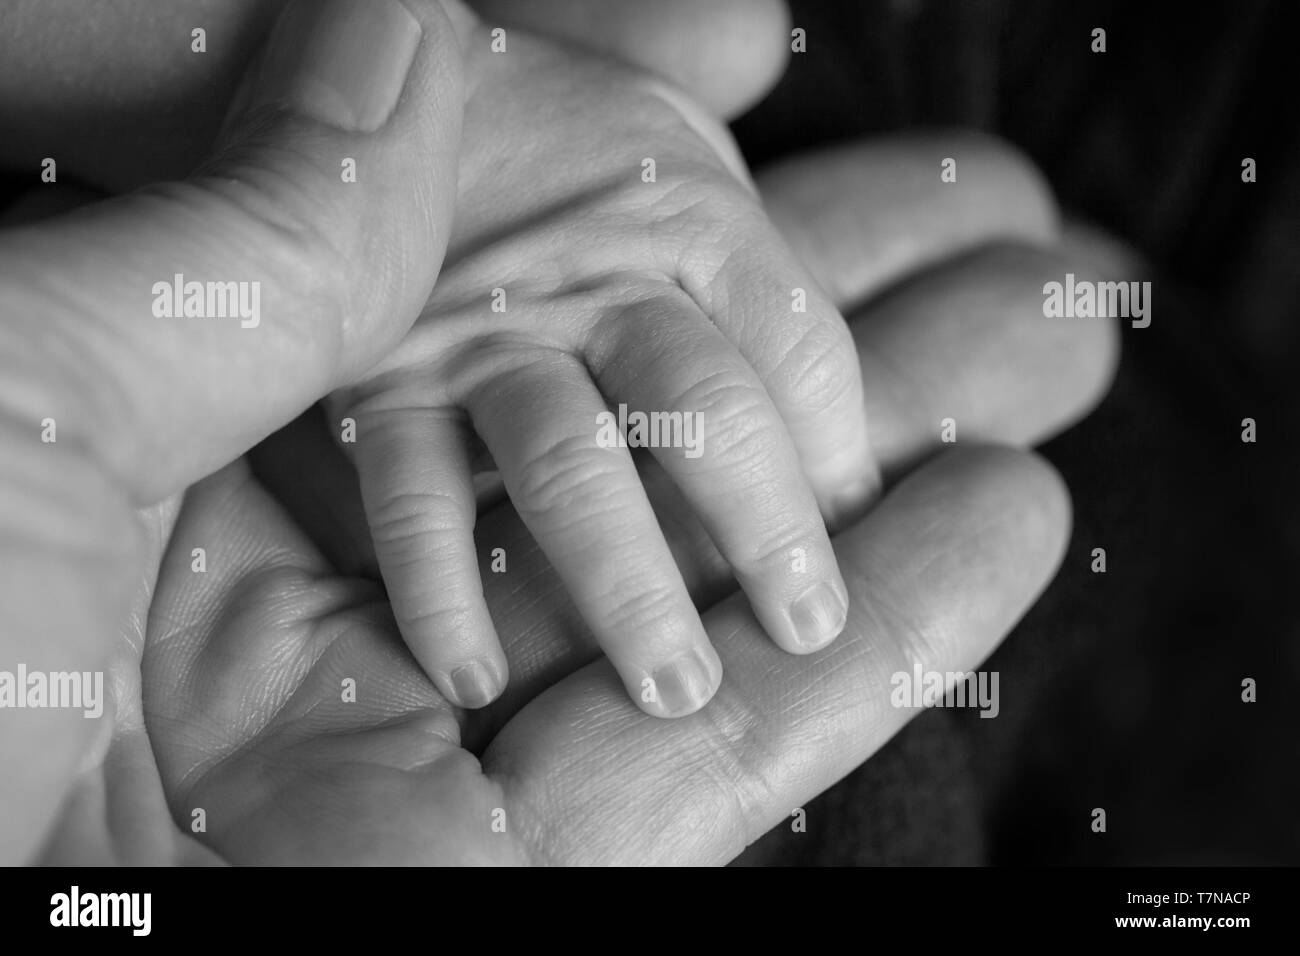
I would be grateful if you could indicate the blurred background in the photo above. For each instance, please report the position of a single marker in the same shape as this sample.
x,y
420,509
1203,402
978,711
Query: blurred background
x,y
1119,690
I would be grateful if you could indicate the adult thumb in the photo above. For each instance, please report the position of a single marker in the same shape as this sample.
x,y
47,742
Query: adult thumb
x,y
166,331
147,340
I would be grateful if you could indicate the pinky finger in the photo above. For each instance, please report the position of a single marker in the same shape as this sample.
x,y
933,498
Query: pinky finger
x,y
419,499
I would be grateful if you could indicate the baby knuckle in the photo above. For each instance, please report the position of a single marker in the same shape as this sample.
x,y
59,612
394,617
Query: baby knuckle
x,y
418,516
635,609
820,370
736,416
570,476
777,544
428,615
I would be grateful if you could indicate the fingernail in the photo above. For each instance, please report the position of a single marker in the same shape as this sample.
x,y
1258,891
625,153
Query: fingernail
x,y
687,683
474,685
342,62
818,616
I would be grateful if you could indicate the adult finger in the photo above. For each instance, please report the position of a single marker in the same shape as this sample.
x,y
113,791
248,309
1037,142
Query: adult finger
x,y
938,573
726,53
868,214
964,353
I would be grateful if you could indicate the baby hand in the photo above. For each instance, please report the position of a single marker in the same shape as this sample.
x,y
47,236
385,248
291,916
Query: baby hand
x,y
608,253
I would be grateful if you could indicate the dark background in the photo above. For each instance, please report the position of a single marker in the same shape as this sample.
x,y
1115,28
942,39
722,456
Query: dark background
x,y
1119,690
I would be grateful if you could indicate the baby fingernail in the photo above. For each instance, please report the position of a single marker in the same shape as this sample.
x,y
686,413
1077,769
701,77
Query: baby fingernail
x,y
342,62
474,685
819,615
685,684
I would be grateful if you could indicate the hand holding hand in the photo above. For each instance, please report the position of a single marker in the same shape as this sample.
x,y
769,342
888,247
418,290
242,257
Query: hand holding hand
x,y
609,252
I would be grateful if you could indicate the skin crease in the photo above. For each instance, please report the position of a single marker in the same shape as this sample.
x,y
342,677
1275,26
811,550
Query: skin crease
x,y
118,808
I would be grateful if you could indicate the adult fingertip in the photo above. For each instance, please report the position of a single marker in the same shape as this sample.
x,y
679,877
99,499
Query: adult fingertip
x,y
748,50
1047,489
1026,490
341,62
1006,175
727,54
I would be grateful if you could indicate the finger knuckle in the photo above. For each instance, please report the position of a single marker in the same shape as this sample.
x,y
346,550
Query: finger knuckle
x,y
426,613
636,606
820,370
298,242
776,545
424,521
740,764
573,478
737,418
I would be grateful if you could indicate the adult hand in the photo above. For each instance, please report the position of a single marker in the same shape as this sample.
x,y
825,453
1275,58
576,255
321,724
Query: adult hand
x,y
243,667
107,404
